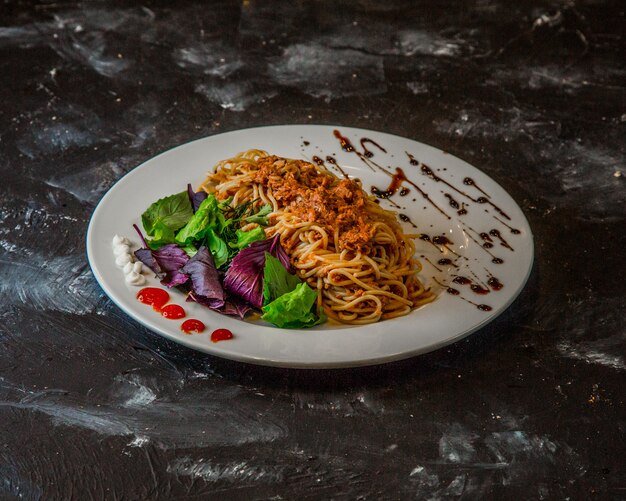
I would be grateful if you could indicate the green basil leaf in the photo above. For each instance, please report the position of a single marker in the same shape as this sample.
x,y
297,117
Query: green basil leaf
x,y
260,216
162,236
218,248
173,212
190,249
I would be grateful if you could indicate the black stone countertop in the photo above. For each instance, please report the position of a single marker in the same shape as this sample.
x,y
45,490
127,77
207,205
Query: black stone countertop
x,y
94,406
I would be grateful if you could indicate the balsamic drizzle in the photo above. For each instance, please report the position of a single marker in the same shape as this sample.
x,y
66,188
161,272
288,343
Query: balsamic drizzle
x,y
424,194
455,292
494,283
332,161
484,200
427,171
407,219
460,209
494,259
468,181
515,231
396,181
495,233
367,152
440,242
431,263
444,261
345,143
412,159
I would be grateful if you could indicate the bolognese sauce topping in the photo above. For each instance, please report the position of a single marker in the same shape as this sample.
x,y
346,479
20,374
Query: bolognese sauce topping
x,y
319,197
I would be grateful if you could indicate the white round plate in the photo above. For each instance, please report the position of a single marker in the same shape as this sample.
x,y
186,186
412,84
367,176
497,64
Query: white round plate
x,y
448,319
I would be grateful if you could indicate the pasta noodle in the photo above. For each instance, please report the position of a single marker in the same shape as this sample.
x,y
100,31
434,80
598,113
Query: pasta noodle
x,y
347,248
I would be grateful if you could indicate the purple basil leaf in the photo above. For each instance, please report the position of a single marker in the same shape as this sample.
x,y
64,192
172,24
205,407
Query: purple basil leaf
x,y
235,307
244,278
170,257
232,306
214,304
145,244
276,250
146,257
206,287
166,262
174,278
195,198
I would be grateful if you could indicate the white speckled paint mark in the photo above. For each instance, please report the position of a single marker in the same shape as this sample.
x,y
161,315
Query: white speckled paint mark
x,y
82,36
425,481
411,42
62,283
504,457
9,247
57,129
417,87
345,405
57,137
91,51
234,96
88,185
140,394
230,472
573,165
381,39
209,59
539,77
592,351
328,72
457,445
139,441
138,415
18,35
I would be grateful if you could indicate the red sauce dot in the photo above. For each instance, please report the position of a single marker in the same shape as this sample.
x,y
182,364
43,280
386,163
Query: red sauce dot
x,y
221,335
173,311
192,325
153,296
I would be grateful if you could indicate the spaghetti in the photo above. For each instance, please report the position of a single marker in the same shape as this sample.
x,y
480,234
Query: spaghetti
x,y
347,248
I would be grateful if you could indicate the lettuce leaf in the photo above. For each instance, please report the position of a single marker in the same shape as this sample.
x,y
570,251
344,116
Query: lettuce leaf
x,y
173,212
294,310
206,226
276,279
207,216
245,238
288,301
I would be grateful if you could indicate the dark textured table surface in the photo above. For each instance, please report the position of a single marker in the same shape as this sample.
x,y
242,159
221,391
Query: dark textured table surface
x,y
94,406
